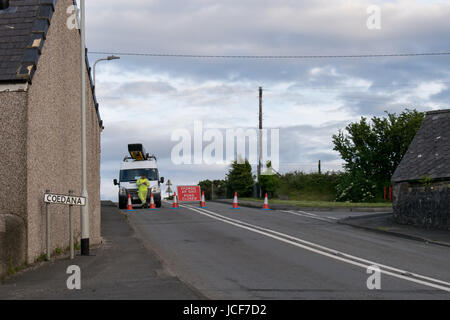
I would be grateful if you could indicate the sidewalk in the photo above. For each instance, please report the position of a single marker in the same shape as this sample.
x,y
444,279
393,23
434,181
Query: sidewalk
x,y
384,223
121,268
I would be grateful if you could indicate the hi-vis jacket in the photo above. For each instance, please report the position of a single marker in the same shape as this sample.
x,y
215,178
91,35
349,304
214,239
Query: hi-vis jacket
x,y
143,184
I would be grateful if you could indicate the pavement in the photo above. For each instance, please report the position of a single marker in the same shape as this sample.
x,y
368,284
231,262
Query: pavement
x,y
121,268
384,223
250,253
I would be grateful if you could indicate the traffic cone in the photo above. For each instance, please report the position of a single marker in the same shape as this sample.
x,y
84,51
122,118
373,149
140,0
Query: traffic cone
x,y
152,202
266,203
235,202
175,201
129,205
203,202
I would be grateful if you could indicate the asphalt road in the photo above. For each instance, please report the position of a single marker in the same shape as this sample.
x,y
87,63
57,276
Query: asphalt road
x,y
255,254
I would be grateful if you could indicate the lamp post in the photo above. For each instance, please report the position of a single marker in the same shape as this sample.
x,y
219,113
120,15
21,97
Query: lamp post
x,y
84,219
103,59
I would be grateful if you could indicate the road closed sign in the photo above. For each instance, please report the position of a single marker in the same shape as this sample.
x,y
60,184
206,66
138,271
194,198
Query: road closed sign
x,y
63,199
188,193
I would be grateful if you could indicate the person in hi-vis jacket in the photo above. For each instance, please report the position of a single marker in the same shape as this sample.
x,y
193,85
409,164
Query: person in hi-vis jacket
x,y
143,184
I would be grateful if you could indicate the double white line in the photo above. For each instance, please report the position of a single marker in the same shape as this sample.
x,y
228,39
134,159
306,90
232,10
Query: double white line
x,y
328,252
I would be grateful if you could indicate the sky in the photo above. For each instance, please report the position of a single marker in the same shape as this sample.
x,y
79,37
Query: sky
x,y
146,99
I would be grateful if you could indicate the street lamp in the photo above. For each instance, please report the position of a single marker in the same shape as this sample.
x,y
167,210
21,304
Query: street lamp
x,y
84,219
103,59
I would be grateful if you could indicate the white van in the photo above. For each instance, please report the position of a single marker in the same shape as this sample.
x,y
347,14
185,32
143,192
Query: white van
x,y
131,169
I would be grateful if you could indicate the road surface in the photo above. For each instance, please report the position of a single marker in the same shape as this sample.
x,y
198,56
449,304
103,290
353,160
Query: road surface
x,y
255,254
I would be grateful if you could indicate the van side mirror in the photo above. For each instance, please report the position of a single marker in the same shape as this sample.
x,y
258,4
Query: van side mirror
x,y
162,179
115,182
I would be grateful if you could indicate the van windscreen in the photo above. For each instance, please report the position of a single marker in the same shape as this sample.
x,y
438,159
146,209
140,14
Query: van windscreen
x,y
135,174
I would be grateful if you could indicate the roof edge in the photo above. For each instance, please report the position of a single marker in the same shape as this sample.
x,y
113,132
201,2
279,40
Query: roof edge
x,y
438,111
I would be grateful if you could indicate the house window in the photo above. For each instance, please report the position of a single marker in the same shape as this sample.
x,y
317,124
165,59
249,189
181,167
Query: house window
x,y
4,4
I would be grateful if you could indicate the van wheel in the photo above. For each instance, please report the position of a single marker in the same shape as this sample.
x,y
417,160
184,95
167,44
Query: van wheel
x,y
122,205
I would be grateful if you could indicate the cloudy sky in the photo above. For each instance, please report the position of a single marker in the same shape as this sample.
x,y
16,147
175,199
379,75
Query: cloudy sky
x,y
145,99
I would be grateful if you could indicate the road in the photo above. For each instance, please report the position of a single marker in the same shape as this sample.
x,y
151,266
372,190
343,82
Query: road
x,y
255,254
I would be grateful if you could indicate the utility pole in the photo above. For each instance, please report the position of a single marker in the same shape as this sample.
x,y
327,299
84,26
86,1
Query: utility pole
x,y
260,138
320,167
85,209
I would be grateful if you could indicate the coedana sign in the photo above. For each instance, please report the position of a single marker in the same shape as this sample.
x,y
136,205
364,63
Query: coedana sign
x,y
66,200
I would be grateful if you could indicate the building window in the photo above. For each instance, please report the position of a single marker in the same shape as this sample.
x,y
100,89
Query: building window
x,y
4,4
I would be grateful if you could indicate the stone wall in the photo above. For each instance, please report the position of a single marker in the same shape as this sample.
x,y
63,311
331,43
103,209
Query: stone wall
x,y
422,206
13,177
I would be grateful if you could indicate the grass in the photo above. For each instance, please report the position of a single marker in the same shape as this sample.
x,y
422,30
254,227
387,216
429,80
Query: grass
x,y
41,258
12,269
322,204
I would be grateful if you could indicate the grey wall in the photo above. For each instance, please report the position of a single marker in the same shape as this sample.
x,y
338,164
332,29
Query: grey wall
x,y
13,177
422,206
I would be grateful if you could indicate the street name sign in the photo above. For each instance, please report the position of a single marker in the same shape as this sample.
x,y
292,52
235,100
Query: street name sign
x,y
189,193
63,199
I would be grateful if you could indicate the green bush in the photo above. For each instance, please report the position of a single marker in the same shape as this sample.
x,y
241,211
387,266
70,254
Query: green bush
x,y
298,185
355,188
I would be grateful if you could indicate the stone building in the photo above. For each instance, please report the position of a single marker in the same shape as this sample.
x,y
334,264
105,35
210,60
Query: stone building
x,y
421,183
40,131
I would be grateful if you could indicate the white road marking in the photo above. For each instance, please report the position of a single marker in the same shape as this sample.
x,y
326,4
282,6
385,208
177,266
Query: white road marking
x,y
328,252
306,215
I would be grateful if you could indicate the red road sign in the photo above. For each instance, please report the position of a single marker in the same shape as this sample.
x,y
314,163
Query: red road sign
x,y
189,193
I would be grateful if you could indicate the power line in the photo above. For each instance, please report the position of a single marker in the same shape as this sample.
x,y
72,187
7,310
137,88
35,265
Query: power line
x,y
199,56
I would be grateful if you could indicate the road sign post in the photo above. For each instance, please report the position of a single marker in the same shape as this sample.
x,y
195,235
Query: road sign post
x,y
72,249
69,200
47,214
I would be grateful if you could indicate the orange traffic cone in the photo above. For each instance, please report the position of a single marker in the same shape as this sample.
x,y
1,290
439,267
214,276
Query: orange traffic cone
x,y
175,201
152,202
203,202
235,202
266,203
129,205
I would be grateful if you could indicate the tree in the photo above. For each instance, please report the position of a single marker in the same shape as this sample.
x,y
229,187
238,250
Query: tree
x,y
372,151
219,188
269,180
240,179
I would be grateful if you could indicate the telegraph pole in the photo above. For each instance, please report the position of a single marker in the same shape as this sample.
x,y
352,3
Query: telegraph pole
x,y
85,209
260,137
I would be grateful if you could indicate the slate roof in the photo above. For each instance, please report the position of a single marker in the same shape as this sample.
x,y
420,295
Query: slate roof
x,y
23,29
429,152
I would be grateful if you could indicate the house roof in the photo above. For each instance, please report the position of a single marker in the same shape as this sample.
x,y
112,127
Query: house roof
x,y
429,152
23,30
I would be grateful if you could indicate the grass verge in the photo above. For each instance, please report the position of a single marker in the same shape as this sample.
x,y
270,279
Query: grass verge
x,y
322,204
